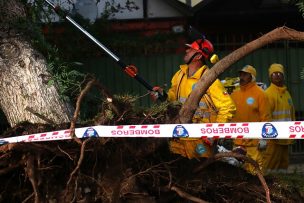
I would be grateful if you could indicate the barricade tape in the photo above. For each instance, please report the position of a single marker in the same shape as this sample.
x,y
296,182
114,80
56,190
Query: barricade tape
x,y
250,130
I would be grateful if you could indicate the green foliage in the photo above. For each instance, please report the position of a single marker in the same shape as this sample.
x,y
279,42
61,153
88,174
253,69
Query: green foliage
x,y
300,5
111,7
123,110
291,181
302,74
65,77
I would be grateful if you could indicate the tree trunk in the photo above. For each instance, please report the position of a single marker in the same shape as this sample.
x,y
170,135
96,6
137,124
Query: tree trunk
x,y
25,94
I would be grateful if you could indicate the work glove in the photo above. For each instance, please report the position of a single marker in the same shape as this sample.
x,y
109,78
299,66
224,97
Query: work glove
x,y
158,94
230,160
262,144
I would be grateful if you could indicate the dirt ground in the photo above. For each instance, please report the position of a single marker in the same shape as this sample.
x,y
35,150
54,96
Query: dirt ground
x,y
127,170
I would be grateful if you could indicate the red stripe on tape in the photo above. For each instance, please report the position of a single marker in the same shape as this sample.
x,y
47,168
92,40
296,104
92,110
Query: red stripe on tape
x,y
245,124
144,126
43,135
119,127
216,137
156,126
239,136
55,133
232,124
204,137
221,124
297,123
132,126
67,132
228,136
292,136
209,125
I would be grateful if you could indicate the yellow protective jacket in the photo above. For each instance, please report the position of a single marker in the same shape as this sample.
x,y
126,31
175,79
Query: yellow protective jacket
x,y
251,106
215,106
281,107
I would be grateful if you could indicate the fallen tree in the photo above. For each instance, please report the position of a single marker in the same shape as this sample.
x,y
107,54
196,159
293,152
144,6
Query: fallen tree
x,y
127,170
112,170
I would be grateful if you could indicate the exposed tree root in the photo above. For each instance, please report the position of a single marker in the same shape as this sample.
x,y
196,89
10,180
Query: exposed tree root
x,y
31,172
239,157
73,173
123,170
77,110
186,195
99,172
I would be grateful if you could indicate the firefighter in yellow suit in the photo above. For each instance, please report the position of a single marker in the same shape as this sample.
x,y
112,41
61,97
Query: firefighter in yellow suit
x,y
251,106
215,106
276,156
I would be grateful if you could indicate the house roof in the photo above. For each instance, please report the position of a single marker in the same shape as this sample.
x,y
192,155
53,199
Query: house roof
x,y
261,13
188,7
191,3
191,7
240,12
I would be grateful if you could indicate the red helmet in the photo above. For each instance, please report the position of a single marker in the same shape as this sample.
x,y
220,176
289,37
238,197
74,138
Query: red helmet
x,y
203,46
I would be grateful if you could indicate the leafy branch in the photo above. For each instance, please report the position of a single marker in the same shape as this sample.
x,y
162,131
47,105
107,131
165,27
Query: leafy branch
x,y
300,5
65,77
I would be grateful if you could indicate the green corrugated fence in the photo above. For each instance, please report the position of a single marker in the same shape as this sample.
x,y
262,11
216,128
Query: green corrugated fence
x,y
158,70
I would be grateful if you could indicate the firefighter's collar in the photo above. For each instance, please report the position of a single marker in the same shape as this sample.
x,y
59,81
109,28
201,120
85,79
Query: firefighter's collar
x,y
197,75
247,86
279,89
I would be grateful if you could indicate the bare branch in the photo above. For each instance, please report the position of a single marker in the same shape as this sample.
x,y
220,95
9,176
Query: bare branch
x,y
77,110
28,198
185,195
31,171
29,109
72,175
89,85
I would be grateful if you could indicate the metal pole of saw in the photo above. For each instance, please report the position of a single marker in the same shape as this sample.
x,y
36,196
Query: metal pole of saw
x,y
131,70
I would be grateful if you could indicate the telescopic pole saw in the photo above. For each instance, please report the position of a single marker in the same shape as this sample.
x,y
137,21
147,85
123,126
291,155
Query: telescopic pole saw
x,y
131,70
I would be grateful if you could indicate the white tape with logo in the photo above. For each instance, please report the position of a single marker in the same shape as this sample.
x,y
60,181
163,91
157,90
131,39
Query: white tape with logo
x,y
250,130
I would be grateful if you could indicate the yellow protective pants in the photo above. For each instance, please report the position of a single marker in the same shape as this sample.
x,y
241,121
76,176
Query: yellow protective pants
x,y
256,155
276,157
188,148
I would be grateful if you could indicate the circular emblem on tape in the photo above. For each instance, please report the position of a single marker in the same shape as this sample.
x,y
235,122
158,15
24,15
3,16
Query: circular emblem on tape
x,y
269,131
90,132
180,131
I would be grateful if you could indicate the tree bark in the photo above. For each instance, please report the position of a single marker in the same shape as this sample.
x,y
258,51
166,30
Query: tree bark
x,y
282,33
25,94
